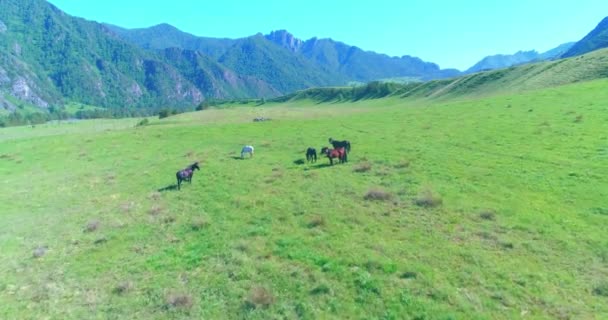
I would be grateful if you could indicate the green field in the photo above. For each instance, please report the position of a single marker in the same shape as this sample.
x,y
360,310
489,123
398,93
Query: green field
x,y
469,208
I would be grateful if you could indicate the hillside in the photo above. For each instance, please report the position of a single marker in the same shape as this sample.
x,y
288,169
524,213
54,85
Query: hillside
x,y
500,61
596,39
522,78
476,208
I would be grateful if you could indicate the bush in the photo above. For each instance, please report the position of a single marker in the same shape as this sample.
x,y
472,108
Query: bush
x,y
487,215
259,297
179,300
316,222
377,195
92,226
601,289
164,113
428,199
143,122
363,167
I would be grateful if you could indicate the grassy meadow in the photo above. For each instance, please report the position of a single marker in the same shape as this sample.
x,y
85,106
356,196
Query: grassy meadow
x,y
470,208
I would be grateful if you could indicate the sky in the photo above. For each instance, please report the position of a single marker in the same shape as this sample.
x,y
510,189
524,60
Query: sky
x,y
453,34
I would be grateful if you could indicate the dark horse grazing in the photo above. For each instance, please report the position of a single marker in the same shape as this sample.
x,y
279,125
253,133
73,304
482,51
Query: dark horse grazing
x,y
332,154
186,174
311,155
340,144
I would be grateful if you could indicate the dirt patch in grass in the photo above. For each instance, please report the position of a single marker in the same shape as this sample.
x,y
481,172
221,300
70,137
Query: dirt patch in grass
x,y
377,195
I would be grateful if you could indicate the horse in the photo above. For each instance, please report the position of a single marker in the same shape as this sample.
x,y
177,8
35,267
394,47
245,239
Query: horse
x,y
340,144
332,154
311,155
247,149
186,174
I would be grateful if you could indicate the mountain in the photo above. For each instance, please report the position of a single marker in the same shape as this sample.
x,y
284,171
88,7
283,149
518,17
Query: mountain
x,y
556,52
365,66
500,61
341,62
164,36
596,39
49,58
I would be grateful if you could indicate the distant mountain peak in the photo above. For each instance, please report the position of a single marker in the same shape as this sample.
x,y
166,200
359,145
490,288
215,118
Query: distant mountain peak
x,y
285,40
596,39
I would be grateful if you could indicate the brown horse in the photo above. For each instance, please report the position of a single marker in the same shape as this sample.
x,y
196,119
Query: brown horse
x,y
339,153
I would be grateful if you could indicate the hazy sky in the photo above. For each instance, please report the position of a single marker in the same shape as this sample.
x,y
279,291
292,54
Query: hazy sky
x,y
453,34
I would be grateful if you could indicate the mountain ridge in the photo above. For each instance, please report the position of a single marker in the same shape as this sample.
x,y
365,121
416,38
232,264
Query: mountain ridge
x,y
594,40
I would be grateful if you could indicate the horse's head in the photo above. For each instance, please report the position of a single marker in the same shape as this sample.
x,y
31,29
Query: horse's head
x,y
331,140
195,166
324,150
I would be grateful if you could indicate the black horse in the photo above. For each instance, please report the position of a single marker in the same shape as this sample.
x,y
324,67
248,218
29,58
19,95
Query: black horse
x,y
311,155
340,144
186,174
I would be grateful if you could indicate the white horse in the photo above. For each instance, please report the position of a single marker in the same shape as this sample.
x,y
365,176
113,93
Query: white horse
x,y
247,149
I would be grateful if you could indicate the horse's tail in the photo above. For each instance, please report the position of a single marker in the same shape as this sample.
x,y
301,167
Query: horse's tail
x,y
348,146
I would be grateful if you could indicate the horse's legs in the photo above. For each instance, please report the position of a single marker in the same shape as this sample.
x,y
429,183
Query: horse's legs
x,y
179,183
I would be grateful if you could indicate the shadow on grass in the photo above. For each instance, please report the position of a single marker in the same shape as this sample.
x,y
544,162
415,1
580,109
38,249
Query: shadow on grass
x,y
299,162
172,187
319,166
237,158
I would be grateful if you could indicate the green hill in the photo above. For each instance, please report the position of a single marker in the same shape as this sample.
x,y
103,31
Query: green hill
x,y
523,78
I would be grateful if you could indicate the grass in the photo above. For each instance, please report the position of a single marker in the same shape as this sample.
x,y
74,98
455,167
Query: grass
x,y
265,238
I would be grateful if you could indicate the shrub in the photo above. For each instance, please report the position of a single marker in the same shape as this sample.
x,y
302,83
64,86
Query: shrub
x,y
408,275
316,222
259,297
179,300
487,214
39,251
92,226
403,164
321,289
377,195
143,122
123,287
363,167
428,199
601,289
199,223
